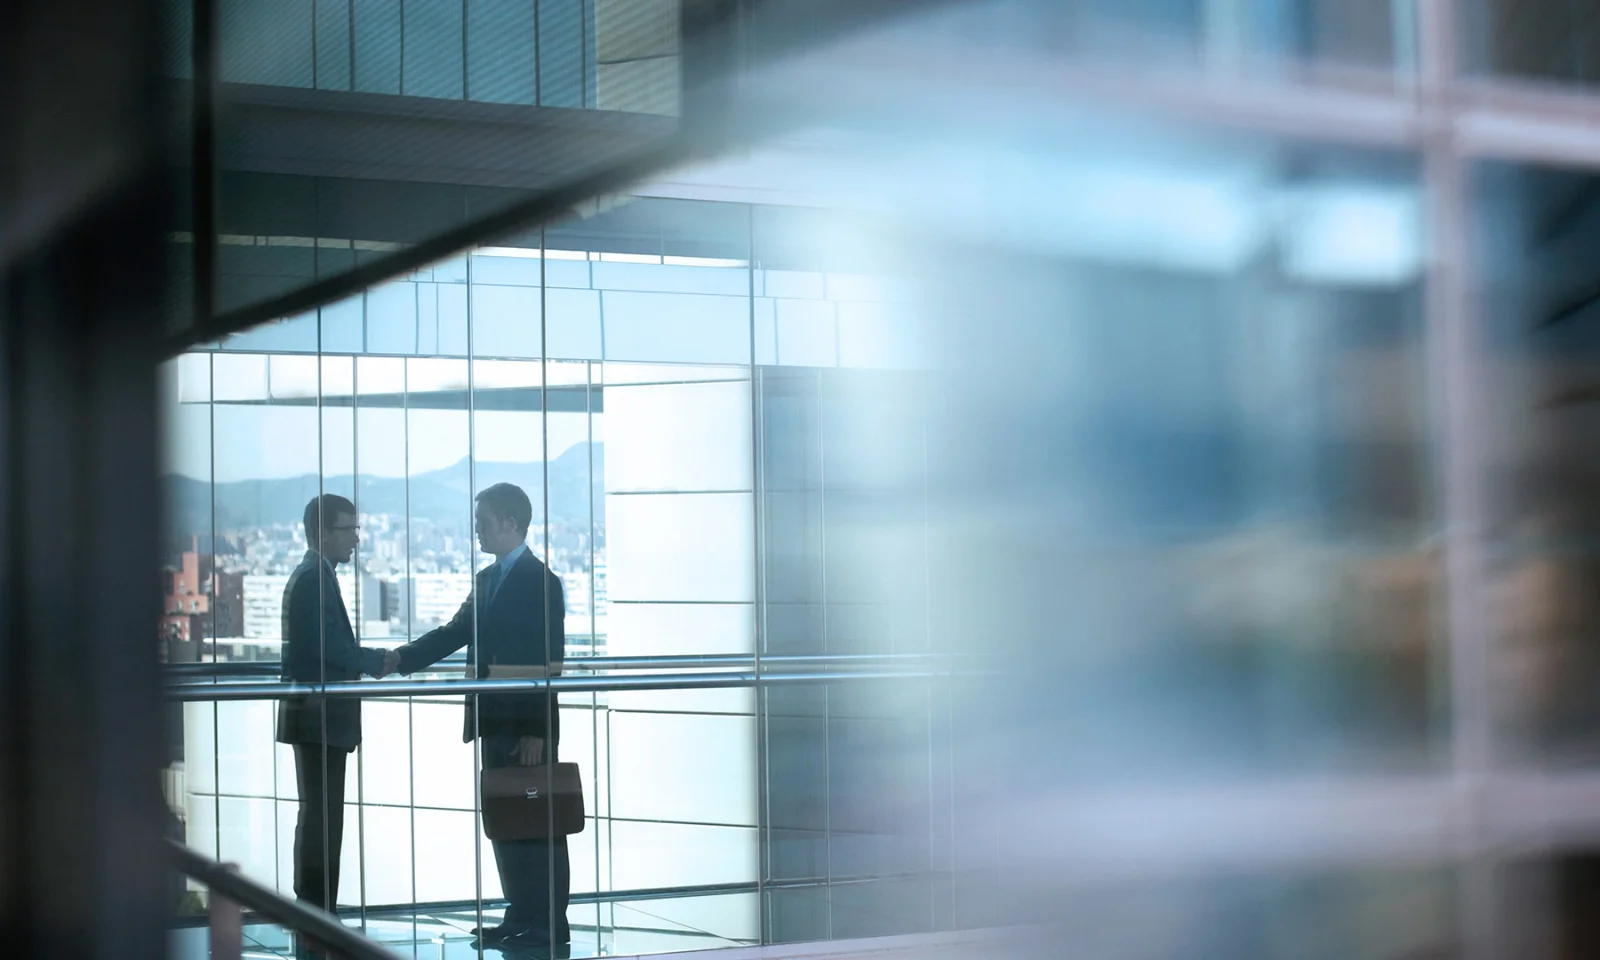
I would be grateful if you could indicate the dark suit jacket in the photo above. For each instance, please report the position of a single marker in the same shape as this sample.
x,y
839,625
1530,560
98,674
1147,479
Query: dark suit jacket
x,y
319,645
523,625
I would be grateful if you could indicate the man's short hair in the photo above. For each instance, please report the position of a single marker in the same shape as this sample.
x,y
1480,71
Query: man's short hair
x,y
508,500
321,512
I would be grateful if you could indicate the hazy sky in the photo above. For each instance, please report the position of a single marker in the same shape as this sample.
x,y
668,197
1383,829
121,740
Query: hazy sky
x,y
257,443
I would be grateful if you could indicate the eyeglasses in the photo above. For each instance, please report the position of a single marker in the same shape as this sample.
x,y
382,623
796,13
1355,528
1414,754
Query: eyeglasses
x,y
354,526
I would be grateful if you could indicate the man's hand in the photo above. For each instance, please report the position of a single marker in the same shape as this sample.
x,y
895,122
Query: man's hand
x,y
528,751
391,663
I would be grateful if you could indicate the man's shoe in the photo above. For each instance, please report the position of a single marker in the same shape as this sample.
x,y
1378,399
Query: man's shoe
x,y
493,935
534,945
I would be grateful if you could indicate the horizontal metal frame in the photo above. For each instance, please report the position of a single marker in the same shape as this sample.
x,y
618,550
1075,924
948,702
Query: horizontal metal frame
x,y
637,894
267,902
384,689
557,399
747,661
403,138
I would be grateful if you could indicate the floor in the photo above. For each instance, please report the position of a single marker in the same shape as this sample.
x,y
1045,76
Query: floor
x,y
447,936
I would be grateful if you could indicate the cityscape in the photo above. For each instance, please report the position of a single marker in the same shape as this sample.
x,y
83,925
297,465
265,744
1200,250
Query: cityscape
x,y
223,592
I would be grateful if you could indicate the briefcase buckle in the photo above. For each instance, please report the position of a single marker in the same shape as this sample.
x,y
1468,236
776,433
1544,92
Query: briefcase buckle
x,y
532,793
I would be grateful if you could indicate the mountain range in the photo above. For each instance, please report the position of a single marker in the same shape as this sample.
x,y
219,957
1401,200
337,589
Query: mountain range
x,y
442,497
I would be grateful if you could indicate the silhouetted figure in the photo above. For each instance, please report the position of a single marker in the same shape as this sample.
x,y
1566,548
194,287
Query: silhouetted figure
x,y
320,647
514,618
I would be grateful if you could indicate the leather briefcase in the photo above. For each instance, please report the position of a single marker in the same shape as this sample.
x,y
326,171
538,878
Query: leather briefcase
x,y
532,803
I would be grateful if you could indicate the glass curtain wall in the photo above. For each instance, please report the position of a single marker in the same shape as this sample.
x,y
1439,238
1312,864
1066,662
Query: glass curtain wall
x,y
332,133
687,395
1252,441
599,54
1263,449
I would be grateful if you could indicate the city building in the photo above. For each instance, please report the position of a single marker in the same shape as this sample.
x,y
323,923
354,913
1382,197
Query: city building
x,y
263,605
200,601
436,597
262,596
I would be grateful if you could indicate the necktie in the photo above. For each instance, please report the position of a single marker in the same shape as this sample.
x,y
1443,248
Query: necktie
x,y
496,574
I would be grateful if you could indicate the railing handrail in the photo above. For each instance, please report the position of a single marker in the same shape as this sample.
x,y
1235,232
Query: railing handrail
x,y
455,664
302,919
381,689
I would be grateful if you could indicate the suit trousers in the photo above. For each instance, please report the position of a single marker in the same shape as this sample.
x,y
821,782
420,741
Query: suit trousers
x,y
319,831
536,875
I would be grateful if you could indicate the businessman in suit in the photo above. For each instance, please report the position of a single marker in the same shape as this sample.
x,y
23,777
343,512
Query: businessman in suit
x,y
320,647
515,618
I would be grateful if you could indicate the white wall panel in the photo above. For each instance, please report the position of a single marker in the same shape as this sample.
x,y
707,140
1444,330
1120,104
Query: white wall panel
x,y
678,437
676,327
250,837
655,629
246,738
672,854
442,764
385,755
681,547
446,859
386,849
683,767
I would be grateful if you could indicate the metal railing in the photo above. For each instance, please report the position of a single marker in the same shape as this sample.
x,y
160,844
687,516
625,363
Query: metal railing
x,y
232,893
562,684
210,672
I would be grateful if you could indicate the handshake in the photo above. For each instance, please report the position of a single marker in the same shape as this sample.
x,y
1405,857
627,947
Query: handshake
x,y
391,663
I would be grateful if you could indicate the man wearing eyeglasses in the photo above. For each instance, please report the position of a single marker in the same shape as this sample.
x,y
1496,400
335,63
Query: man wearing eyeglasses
x,y
320,647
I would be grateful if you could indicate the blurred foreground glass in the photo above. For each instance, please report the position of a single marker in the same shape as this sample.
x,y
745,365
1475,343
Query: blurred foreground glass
x,y
1162,456
1542,41
1542,359
1177,454
1225,36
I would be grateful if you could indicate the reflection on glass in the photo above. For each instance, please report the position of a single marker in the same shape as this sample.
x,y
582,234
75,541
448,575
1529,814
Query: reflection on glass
x,y
1225,35
1538,326
1543,40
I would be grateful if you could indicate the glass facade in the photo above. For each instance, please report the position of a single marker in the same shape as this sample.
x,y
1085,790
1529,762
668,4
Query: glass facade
x,y
597,54
661,408
1172,429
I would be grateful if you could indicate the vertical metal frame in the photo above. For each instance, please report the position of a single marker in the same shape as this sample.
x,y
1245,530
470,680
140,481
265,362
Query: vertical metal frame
x,y
1455,384
206,68
594,622
411,602
758,617
475,704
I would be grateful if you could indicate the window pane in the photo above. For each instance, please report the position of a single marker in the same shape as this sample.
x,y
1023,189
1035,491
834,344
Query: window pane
x,y
1540,336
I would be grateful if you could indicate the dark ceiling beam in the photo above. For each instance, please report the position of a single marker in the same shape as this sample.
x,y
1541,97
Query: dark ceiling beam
x,y
552,205
374,136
